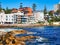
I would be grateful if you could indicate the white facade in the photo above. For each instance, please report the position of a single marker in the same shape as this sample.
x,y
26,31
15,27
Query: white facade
x,y
6,18
31,19
13,18
19,17
57,7
18,13
39,16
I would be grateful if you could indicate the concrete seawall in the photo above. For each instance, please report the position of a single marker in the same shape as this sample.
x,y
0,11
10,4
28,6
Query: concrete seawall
x,y
23,25
19,25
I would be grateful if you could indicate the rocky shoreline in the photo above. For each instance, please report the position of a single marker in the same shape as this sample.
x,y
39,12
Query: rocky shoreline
x,y
9,38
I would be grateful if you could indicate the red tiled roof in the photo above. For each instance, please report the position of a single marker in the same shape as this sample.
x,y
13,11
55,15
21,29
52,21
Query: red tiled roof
x,y
27,10
14,10
52,11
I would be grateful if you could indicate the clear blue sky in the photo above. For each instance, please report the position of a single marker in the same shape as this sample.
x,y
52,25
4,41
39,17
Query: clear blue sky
x,y
40,3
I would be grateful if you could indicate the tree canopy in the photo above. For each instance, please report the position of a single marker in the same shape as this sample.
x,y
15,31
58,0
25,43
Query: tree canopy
x,y
34,7
7,10
45,10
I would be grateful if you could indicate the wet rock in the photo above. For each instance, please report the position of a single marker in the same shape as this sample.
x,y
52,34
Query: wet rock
x,y
10,39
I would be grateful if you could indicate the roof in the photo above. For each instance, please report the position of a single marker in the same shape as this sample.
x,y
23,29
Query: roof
x,y
14,10
27,10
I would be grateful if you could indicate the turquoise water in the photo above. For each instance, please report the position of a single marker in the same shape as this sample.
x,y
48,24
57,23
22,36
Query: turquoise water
x,y
52,33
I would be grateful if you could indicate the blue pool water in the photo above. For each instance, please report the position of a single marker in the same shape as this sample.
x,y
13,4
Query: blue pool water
x,y
52,33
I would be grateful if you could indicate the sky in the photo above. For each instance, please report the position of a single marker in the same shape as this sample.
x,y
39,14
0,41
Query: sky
x,y
28,3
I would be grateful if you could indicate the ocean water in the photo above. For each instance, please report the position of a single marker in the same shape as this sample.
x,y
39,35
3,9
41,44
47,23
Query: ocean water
x,y
52,33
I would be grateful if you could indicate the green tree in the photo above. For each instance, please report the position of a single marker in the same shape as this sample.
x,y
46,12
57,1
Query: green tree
x,y
50,13
21,5
7,11
34,7
45,10
0,7
58,11
56,19
51,16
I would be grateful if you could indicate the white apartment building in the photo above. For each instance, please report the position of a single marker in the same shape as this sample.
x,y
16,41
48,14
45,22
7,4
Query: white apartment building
x,y
19,17
57,7
39,16
13,18
6,18
31,19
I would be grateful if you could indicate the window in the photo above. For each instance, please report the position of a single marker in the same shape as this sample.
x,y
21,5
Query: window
x,y
6,16
12,19
9,16
1,15
6,19
12,16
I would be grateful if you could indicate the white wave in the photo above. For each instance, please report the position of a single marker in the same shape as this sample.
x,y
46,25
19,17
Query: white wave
x,y
8,29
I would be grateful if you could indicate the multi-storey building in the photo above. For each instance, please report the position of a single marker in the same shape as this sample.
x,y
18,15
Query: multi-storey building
x,y
19,17
39,16
13,18
57,7
6,18
24,15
